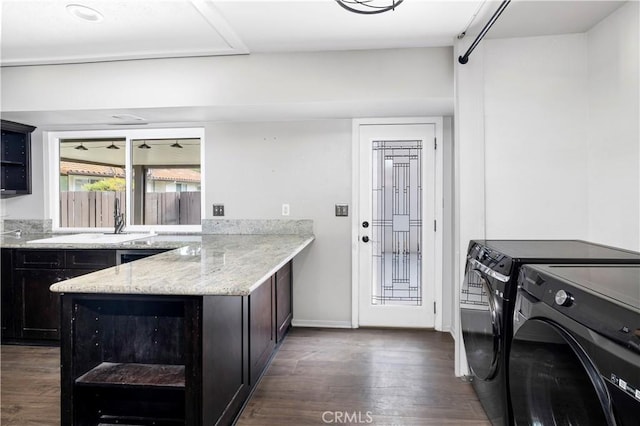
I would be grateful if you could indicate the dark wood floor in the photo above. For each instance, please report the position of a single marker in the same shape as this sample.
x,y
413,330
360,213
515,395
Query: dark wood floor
x,y
319,376
397,377
29,386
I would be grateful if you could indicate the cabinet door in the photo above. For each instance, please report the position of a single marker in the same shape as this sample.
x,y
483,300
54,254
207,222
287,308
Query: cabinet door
x,y
90,260
284,311
15,164
40,308
261,329
8,303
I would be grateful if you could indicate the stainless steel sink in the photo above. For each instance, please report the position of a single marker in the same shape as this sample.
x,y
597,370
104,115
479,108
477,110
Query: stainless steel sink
x,y
92,238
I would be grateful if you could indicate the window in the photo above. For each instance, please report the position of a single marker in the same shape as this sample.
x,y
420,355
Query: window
x,y
166,173
156,176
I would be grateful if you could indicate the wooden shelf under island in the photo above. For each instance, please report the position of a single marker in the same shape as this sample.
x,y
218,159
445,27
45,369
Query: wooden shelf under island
x,y
117,374
132,394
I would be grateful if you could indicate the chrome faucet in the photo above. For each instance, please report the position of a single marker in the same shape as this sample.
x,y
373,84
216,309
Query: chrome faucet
x,y
118,218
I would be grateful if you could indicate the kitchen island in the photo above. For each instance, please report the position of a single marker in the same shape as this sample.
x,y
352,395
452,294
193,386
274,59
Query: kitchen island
x,y
179,338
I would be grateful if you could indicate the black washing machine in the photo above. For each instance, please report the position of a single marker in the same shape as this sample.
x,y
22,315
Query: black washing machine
x,y
575,354
487,305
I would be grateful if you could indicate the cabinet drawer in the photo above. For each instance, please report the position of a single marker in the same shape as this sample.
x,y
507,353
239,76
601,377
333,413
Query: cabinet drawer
x,y
90,259
39,259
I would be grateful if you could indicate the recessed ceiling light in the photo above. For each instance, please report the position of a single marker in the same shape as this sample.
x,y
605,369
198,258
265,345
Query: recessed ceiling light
x,y
84,12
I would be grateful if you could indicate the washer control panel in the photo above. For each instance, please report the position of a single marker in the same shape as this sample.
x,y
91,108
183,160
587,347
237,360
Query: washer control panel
x,y
563,298
597,313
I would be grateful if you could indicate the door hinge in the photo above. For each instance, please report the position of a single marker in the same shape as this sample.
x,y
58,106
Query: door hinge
x,y
434,226
434,307
435,143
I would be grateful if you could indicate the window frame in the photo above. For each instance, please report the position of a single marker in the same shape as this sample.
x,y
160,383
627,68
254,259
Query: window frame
x,y
52,152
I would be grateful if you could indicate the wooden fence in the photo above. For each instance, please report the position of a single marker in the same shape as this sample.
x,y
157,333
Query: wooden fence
x,y
95,209
172,208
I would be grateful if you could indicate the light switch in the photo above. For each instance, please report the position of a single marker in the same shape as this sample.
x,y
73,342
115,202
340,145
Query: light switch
x,y
218,209
342,209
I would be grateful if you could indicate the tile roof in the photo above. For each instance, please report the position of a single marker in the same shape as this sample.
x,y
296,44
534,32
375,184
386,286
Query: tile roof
x,y
87,169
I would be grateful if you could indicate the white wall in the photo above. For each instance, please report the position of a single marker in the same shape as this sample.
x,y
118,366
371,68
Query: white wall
x,y
547,128
562,154
613,132
254,168
200,90
251,80
469,187
562,133
536,137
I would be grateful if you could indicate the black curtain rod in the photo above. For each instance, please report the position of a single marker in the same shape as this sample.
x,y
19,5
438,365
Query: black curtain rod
x,y
465,58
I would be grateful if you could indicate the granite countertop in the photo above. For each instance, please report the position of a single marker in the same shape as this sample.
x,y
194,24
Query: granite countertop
x,y
159,241
232,265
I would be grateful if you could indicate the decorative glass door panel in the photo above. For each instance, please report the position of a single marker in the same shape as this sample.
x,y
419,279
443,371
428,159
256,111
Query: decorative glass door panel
x,y
396,254
396,222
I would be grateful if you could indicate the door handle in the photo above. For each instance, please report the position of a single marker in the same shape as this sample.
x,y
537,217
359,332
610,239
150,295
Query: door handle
x,y
365,239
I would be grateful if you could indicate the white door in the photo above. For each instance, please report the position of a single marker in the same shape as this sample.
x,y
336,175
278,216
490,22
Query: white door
x,y
396,225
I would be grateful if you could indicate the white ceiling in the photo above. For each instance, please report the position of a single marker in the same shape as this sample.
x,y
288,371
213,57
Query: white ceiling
x,y
43,32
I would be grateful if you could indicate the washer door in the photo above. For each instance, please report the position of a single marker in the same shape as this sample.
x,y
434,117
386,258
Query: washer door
x,y
552,381
480,325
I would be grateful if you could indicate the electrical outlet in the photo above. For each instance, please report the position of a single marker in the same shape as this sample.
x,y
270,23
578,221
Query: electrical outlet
x,y
285,210
218,209
342,210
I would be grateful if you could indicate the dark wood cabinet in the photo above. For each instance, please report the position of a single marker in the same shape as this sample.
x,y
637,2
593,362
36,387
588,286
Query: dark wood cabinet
x,y
167,360
128,360
38,309
15,161
163,360
8,306
137,359
261,328
225,376
283,300
270,314
30,311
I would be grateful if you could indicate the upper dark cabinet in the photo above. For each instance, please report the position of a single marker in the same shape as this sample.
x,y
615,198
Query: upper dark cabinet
x,y
16,159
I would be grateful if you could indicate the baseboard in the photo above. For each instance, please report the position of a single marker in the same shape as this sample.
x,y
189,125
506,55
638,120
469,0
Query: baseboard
x,y
320,323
